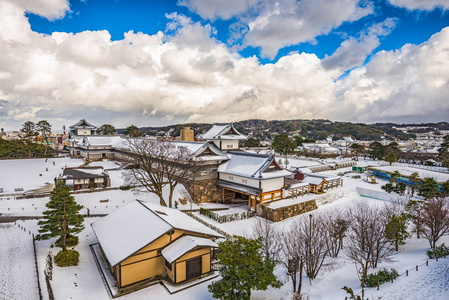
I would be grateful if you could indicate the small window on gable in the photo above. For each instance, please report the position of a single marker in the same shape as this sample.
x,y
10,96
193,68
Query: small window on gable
x,y
244,181
229,146
231,177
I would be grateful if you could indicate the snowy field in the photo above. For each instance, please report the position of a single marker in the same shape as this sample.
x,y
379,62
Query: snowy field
x,y
17,273
17,270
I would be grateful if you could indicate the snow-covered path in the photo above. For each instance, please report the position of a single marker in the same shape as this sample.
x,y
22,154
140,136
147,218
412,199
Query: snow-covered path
x,y
17,270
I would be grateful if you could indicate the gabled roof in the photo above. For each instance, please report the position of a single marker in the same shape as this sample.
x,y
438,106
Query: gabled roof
x,y
83,173
101,140
203,151
252,165
223,132
183,245
134,226
83,124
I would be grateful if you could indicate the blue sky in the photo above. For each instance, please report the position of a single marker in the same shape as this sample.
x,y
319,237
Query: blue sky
x,y
162,62
149,17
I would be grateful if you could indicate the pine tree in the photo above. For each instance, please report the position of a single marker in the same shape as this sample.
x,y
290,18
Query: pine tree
x,y
390,157
429,188
244,268
45,128
396,231
62,218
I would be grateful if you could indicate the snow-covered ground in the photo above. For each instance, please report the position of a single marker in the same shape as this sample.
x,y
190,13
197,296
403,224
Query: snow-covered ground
x,y
17,271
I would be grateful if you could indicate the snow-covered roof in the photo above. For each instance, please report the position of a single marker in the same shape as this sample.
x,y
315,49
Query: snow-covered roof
x,y
183,245
407,171
82,124
101,140
83,172
203,151
259,166
239,187
313,180
132,227
223,132
297,185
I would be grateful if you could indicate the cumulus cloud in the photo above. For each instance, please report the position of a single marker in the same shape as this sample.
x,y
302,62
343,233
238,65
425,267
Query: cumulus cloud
x,y
165,78
272,25
50,9
222,9
421,4
354,51
410,83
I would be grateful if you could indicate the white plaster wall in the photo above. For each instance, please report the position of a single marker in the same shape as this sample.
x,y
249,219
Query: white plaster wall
x,y
269,185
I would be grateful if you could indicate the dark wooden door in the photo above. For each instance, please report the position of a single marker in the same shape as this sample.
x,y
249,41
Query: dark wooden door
x,y
193,268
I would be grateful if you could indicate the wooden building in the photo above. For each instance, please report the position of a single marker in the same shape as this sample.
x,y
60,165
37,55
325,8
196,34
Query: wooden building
x,y
80,178
224,136
255,178
143,242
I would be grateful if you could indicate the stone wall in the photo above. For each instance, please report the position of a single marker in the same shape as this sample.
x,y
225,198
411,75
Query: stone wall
x,y
204,190
282,213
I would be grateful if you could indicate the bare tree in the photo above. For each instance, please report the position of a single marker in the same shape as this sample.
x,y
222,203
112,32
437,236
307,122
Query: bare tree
x,y
265,231
366,243
335,227
312,233
154,164
435,219
289,251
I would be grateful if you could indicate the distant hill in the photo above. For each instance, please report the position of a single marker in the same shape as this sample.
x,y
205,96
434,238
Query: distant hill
x,y
312,129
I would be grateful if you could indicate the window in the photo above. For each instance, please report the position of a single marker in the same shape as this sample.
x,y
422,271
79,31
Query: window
x,y
244,181
229,146
231,177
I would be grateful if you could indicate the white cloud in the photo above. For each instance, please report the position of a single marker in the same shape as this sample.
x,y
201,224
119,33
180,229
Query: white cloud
x,y
421,4
223,9
272,25
50,9
354,51
411,83
165,78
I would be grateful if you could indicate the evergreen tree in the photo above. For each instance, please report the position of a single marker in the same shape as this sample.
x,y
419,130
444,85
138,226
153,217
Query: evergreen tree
x,y
62,218
445,188
27,134
391,157
415,181
396,230
107,129
45,129
283,145
243,269
132,131
429,188
378,150
414,209
252,142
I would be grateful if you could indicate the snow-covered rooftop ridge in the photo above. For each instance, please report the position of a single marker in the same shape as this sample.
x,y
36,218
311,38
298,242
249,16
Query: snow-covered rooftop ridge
x,y
201,150
252,165
132,227
101,140
178,219
82,124
223,131
127,230
183,245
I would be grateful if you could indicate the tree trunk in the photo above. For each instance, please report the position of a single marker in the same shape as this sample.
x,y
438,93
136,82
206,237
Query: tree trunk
x,y
63,243
300,278
161,200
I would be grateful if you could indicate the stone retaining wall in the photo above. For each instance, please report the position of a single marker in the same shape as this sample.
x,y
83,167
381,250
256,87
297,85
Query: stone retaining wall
x,y
282,213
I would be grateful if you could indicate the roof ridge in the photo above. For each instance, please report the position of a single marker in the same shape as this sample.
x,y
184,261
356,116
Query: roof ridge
x,y
141,202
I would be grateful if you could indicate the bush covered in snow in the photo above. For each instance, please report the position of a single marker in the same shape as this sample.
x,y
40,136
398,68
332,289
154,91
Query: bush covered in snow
x,y
440,251
67,258
372,280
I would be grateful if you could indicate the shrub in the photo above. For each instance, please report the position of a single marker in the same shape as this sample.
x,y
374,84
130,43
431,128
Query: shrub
x,y
67,258
70,241
438,252
124,187
380,277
